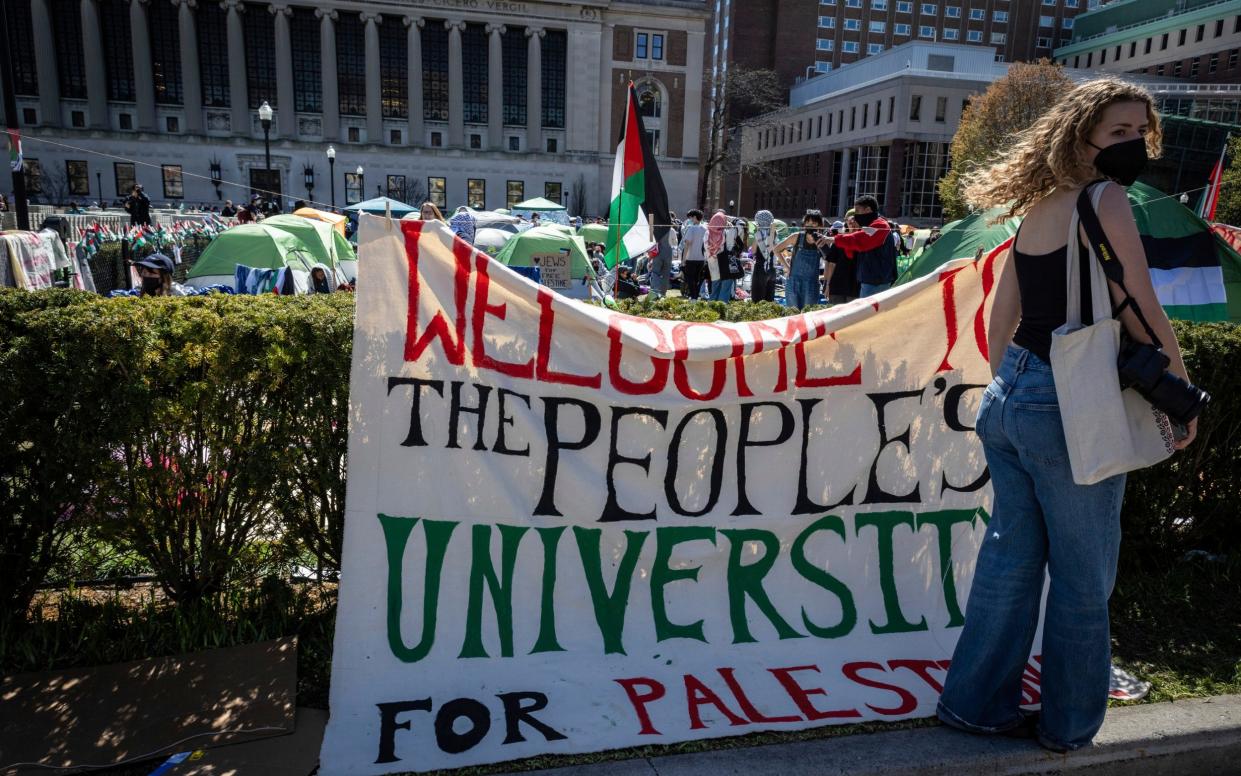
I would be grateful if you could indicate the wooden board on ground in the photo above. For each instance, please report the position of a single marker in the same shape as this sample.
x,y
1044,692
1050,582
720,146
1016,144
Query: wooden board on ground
x,y
292,755
112,714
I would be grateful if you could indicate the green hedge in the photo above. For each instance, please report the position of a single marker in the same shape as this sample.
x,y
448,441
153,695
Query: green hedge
x,y
206,437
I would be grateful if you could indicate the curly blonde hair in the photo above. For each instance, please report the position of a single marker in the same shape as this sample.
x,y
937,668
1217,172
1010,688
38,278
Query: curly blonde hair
x,y
1051,153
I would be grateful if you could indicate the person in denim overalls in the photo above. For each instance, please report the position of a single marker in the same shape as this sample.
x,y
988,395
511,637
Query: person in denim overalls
x,y
1043,524
803,282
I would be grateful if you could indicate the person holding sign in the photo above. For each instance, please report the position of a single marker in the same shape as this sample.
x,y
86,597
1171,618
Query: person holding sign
x,y
1043,522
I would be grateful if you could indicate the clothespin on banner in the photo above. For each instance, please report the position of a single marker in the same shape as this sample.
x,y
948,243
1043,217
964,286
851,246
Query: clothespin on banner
x,y
388,213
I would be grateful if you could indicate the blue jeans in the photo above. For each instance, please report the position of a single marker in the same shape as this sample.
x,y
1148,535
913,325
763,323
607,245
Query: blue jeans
x,y
870,289
1042,522
801,291
722,290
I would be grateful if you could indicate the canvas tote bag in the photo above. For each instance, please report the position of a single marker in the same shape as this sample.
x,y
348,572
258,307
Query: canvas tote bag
x,y
1108,431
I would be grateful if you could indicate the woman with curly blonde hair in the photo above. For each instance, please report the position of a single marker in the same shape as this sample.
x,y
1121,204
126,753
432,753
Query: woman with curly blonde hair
x,y
1042,521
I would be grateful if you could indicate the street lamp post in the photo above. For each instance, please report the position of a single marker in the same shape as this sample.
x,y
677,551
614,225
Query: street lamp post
x,y
361,183
265,119
99,180
331,172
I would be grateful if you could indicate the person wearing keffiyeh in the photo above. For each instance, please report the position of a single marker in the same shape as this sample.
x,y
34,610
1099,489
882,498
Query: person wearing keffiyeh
x,y
763,277
462,224
715,244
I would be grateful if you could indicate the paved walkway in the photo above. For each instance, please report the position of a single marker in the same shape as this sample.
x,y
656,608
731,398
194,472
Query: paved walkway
x,y
1186,738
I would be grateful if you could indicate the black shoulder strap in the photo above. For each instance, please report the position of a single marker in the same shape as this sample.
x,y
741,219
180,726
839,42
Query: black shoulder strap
x,y
1102,249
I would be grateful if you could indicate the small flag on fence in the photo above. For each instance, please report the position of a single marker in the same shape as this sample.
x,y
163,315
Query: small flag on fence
x,y
15,150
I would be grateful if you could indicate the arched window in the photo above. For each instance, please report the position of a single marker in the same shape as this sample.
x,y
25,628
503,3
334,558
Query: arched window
x,y
165,42
474,73
394,68
70,61
652,96
513,44
304,31
212,54
351,65
434,71
650,103
260,36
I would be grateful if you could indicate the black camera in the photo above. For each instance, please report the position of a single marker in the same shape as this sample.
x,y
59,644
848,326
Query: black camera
x,y
1144,368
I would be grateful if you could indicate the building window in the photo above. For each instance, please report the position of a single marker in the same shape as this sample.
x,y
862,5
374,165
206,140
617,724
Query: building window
x,y
941,109
853,118
172,124
900,29
648,45
1193,67
874,48
551,190
827,22
514,192
853,25
975,36
514,48
891,108
33,172
78,178
825,44
476,193
951,34
904,7
952,12
873,171
212,54
351,64
260,38
1146,49
1180,37
915,108
1163,42
1232,59
850,47
476,141
554,50
394,136
437,191
929,9
125,120
394,69
21,47
474,73
118,59
174,187
1000,17
1219,27
926,31
354,135
821,66
853,3
165,43
878,28
1198,33
77,118
998,37
865,115
1133,49
353,188
1103,57
124,176
642,45
70,59
925,164
435,73
879,5
1046,21
437,139
514,143
307,70
1213,63
396,186
978,14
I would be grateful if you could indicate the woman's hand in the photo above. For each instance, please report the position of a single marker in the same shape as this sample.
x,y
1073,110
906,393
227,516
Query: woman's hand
x,y
1193,432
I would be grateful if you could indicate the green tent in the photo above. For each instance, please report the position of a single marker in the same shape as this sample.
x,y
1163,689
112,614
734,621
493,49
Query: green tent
x,y
594,233
327,245
1196,274
380,206
254,245
538,203
523,247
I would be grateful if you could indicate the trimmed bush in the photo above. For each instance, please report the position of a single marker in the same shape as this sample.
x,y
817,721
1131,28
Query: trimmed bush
x,y
207,437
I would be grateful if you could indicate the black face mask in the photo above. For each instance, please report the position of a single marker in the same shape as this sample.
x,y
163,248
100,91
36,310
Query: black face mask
x,y
150,285
1122,162
865,219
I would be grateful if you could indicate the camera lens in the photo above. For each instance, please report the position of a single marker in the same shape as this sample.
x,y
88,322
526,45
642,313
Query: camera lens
x,y
1180,400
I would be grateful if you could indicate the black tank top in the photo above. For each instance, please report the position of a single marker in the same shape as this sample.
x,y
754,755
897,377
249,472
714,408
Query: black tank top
x,y
1044,296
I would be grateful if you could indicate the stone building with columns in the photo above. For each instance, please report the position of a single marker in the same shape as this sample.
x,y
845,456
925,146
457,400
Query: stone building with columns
x,y
485,102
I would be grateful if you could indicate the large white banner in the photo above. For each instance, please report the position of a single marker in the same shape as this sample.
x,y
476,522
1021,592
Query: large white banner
x,y
571,530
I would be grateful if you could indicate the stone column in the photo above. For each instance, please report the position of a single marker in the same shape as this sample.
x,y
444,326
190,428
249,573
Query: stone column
x,y
237,89
846,173
413,27
456,93
695,72
96,82
607,139
191,79
144,77
374,96
45,62
495,86
327,63
286,110
534,88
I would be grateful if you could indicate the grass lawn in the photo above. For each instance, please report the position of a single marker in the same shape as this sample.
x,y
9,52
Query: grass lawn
x,y
1179,629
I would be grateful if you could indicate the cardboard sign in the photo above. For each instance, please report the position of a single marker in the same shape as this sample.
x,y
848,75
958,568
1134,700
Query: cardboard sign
x,y
570,529
555,268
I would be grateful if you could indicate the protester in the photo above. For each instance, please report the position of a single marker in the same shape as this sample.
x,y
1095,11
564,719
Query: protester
x,y
155,274
1042,521
429,212
693,254
535,220
624,287
840,272
714,247
871,246
802,278
245,215
763,276
930,240
228,211
138,205
724,289
463,224
320,279
4,203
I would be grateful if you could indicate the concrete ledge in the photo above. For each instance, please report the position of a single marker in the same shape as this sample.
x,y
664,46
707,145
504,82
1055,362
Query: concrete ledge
x,y
1201,736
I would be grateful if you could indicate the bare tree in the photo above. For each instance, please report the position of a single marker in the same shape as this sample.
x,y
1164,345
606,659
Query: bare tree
x,y
739,94
415,194
55,187
577,196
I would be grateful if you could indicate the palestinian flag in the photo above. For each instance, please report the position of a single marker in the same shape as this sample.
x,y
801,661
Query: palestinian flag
x,y
15,150
637,192
1210,198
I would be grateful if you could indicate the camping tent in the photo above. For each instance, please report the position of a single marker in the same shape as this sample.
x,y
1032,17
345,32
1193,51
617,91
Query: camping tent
x,y
594,233
324,243
549,212
379,206
534,246
1196,274
336,220
490,240
254,245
